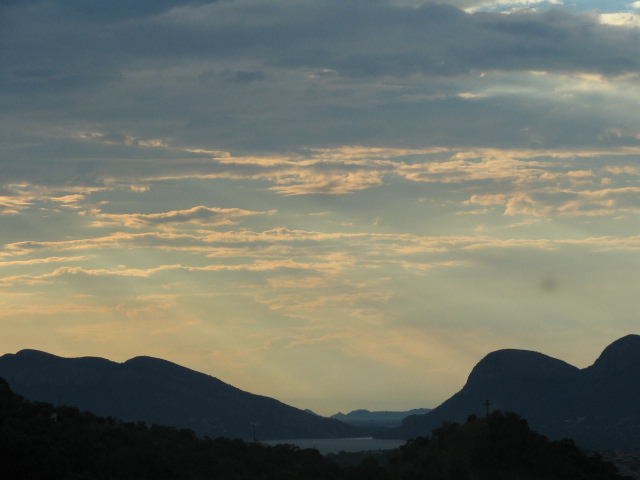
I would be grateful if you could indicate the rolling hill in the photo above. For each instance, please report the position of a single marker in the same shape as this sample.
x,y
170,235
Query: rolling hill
x,y
157,391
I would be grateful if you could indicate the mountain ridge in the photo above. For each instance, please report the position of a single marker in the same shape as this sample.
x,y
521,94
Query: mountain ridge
x,y
384,418
158,391
597,405
624,352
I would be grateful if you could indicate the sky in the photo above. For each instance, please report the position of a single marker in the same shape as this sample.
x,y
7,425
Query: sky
x,y
338,204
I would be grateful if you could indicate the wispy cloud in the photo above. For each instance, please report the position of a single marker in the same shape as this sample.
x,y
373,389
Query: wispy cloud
x,y
200,215
39,261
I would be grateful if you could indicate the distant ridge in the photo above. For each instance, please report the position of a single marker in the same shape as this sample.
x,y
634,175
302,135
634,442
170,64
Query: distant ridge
x,y
157,391
598,406
365,418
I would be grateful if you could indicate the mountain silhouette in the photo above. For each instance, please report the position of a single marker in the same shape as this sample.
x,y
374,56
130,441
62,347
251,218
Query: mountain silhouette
x,y
366,418
157,391
598,406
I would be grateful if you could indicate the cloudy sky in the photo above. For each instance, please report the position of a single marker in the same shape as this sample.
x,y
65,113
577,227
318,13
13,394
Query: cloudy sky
x,y
338,203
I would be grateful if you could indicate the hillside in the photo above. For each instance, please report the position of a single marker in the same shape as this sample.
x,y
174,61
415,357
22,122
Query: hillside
x,y
157,391
597,406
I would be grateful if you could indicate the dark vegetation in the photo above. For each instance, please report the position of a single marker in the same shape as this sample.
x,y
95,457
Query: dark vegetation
x,y
40,441
34,445
501,447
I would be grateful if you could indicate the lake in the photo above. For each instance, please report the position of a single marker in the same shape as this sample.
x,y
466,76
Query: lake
x,y
335,445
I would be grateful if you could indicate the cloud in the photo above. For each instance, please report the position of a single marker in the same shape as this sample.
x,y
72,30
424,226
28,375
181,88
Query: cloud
x,y
539,183
39,261
256,266
294,302
69,200
565,203
101,12
12,206
63,272
294,261
21,310
631,20
305,59
375,39
241,77
199,215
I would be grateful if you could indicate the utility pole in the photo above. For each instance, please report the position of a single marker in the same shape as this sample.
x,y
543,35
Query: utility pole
x,y
487,404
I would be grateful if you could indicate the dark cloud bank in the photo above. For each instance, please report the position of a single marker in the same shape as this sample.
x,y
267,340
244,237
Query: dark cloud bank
x,y
214,75
353,38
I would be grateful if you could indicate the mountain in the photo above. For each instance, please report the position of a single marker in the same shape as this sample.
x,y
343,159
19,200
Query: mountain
x,y
598,406
41,441
160,392
365,418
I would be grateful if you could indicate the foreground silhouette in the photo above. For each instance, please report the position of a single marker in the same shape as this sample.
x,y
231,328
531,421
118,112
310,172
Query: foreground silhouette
x,y
40,441
500,447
